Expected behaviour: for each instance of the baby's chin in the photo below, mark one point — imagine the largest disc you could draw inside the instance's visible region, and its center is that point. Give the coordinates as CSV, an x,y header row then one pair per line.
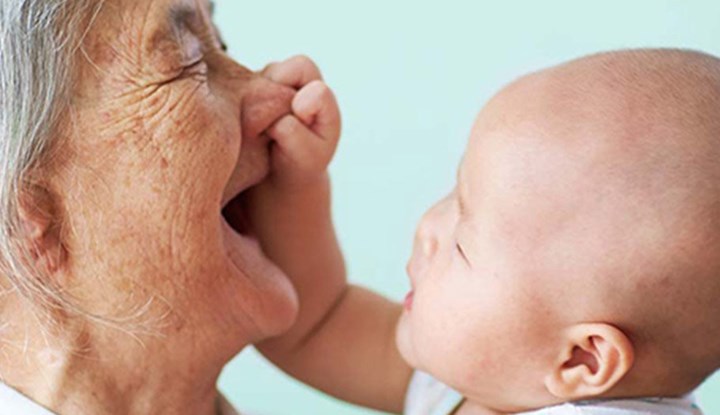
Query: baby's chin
x,y
403,341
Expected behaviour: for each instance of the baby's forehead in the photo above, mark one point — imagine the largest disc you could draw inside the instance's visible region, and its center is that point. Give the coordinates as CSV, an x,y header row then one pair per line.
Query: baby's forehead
x,y
603,133
630,85
613,105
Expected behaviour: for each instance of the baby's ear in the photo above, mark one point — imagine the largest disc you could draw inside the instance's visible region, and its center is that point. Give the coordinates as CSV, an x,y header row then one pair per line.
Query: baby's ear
x,y
593,359
39,232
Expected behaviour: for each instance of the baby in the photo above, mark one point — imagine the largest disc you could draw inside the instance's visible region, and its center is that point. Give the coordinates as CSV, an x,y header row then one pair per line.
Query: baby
x,y
574,269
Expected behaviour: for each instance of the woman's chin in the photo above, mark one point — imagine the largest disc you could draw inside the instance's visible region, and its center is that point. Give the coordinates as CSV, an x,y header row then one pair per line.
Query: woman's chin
x,y
268,295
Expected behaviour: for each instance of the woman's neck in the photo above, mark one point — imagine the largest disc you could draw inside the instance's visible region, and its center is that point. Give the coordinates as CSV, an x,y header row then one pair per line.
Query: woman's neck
x,y
90,369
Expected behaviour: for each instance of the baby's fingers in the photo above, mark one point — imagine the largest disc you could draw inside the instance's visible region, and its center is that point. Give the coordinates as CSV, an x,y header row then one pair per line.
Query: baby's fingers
x,y
317,107
295,72
298,149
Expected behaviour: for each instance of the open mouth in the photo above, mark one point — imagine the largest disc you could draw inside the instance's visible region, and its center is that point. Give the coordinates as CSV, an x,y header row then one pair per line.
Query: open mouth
x,y
236,215
252,168
265,287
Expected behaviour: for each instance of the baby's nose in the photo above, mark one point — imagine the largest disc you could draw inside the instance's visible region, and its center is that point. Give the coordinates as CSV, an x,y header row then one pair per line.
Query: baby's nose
x,y
426,239
424,249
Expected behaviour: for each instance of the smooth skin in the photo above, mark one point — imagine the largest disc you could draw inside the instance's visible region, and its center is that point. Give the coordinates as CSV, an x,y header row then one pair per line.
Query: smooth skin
x,y
543,276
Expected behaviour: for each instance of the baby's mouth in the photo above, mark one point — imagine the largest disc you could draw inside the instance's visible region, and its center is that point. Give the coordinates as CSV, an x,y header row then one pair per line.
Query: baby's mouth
x,y
409,300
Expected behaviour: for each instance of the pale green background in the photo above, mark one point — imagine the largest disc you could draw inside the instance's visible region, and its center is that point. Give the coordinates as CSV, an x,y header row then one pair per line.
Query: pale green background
x,y
410,76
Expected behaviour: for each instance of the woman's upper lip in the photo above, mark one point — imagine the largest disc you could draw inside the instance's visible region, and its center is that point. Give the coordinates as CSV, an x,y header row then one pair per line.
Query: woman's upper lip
x,y
255,171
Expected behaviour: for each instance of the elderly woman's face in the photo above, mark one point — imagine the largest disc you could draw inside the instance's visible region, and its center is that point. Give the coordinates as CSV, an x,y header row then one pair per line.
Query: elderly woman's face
x,y
165,130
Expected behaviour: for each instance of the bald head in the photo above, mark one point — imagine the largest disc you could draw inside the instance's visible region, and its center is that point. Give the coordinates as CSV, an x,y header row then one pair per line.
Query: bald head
x,y
616,161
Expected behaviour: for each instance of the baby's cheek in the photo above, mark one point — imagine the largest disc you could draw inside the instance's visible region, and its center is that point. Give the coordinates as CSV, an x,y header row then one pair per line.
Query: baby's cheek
x,y
415,328
427,327
449,325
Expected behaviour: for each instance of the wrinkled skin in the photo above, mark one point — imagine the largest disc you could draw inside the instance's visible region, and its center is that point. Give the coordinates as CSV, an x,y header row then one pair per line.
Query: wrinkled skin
x,y
168,129
164,130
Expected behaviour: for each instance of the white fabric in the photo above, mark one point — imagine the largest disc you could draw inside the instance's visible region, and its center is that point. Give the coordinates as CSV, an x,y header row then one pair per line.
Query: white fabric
x,y
427,396
650,406
13,402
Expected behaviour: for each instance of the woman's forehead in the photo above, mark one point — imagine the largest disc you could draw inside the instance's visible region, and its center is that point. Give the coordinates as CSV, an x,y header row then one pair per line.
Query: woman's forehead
x,y
147,15
149,35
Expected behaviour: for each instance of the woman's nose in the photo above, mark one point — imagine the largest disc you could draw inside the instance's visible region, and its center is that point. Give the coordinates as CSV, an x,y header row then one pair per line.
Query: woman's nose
x,y
263,104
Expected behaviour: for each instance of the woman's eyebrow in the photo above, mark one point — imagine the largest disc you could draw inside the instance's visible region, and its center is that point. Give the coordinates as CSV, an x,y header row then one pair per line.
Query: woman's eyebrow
x,y
181,16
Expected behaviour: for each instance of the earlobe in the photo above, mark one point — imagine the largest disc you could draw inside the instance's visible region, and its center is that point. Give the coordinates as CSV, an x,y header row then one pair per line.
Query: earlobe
x,y
593,360
38,235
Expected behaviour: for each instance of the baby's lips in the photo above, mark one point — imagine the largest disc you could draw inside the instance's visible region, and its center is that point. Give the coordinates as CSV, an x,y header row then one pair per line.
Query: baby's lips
x,y
409,300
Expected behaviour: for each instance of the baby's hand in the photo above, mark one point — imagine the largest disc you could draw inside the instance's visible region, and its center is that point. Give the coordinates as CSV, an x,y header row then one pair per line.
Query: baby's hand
x,y
305,141
290,211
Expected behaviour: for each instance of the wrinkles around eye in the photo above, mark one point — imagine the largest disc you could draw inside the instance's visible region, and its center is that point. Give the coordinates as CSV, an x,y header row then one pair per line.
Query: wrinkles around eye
x,y
196,70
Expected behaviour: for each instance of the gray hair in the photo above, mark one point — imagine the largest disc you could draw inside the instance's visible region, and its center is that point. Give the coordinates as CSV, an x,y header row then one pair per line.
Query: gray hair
x,y
38,43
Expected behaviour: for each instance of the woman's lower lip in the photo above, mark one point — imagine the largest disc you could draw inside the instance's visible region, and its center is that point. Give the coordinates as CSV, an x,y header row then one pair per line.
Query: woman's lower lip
x,y
409,300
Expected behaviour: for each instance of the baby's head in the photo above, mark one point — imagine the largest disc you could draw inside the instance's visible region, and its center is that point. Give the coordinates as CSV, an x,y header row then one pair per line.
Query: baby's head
x,y
579,255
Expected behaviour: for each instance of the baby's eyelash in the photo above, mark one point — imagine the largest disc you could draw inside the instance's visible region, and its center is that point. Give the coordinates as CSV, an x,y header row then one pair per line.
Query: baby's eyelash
x,y
462,253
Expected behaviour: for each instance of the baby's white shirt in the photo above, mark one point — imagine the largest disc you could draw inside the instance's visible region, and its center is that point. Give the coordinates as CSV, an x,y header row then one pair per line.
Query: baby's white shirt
x,y
427,396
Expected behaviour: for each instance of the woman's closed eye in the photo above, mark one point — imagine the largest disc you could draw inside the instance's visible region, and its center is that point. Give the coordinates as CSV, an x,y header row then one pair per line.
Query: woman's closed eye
x,y
196,68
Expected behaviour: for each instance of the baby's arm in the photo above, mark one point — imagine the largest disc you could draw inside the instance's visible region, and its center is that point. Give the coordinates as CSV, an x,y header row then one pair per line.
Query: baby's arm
x,y
344,339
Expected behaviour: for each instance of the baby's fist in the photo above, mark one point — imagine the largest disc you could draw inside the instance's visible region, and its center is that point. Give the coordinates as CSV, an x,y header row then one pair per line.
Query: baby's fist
x,y
305,140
